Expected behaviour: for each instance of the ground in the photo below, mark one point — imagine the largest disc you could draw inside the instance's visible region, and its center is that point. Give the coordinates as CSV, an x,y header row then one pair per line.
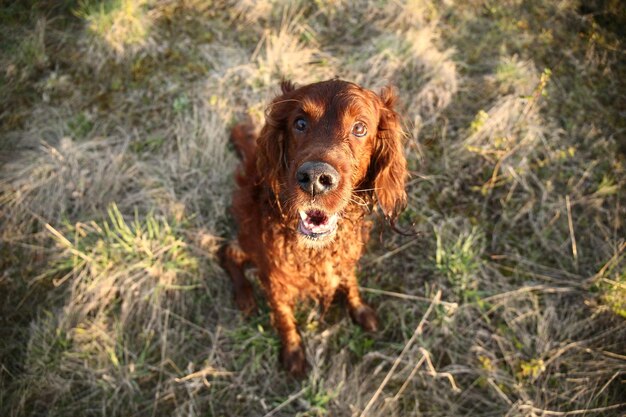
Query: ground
x,y
116,178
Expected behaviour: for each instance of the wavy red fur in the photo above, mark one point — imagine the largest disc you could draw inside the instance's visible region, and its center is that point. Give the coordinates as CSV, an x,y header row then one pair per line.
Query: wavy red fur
x,y
277,216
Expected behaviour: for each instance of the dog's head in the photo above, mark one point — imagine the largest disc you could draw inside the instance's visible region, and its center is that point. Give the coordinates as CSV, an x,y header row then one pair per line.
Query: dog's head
x,y
328,144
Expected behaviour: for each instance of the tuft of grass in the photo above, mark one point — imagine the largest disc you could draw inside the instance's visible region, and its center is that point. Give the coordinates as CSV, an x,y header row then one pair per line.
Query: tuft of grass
x,y
317,397
458,257
199,167
30,54
289,53
120,277
411,60
358,342
120,24
611,280
257,343
151,244
64,181
103,259
81,125
614,294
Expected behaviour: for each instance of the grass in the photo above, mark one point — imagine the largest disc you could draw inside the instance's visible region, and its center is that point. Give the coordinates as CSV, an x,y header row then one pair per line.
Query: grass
x,y
459,258
115,183
118,25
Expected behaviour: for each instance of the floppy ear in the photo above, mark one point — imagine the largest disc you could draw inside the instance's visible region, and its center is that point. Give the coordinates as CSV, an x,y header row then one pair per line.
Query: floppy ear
x,y
271,143
388,165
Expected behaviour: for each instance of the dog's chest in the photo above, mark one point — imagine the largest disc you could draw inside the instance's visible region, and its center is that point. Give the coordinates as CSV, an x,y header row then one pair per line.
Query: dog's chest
x,y
319,272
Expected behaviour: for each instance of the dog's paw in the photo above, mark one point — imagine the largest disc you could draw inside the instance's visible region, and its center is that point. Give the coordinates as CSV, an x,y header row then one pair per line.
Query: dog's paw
x,y
244,299
293,360
365,317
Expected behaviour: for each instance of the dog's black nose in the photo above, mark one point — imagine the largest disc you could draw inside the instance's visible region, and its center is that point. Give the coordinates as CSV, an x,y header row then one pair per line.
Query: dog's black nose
x,y
317,177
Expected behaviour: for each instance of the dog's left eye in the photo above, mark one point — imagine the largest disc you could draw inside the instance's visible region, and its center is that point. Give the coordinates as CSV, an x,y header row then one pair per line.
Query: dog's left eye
x,y
359,129
300,124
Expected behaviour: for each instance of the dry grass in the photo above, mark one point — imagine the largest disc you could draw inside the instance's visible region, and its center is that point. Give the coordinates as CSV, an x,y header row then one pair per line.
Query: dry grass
x,y
116,179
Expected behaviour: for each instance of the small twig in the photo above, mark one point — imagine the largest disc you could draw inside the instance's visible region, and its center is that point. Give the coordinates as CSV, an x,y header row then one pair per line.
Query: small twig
x,y
573,412
614,283
609,264
433,371
570,223
189,323
615,375
391,253
499,391
409,378
525,261
452,306
208,371
289,400
543,277
416,333
66,243
560,351
522,290
613,355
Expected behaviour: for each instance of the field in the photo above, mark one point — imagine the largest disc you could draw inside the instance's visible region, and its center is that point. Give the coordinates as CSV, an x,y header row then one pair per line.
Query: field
x,y
116,179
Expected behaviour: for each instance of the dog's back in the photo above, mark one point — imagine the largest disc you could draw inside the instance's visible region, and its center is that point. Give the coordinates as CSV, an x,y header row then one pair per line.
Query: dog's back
x,y
243,137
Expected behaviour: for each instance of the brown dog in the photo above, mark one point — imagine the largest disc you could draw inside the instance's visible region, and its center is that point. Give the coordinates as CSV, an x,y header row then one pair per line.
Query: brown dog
x,y
327,153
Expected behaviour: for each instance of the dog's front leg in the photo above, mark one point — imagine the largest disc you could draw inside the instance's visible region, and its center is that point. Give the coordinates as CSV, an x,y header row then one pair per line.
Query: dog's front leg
x,y
360,312
233,260
292,355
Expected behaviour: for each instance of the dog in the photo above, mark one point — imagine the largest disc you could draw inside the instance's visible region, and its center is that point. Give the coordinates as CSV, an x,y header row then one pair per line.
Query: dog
x,y
328,154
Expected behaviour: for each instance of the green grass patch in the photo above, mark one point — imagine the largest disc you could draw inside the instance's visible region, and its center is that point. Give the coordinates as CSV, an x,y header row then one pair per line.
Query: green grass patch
x,y
257,343
151,244
458,258
119,23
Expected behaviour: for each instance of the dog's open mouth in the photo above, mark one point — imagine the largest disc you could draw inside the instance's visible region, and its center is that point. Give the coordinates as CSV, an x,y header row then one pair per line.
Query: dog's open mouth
x,y
316,224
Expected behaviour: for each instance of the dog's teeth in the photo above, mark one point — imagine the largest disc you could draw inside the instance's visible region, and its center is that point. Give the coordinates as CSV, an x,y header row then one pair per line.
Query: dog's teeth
x,y
315,223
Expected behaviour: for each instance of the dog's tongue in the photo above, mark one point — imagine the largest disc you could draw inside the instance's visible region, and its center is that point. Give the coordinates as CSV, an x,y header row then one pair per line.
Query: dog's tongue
x,y
317,222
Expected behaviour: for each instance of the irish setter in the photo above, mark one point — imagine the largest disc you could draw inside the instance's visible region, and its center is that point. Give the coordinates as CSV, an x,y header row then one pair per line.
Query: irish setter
x,y
328,153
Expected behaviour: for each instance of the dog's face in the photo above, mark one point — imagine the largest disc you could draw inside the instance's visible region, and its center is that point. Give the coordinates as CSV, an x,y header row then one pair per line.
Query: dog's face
x,y
326,145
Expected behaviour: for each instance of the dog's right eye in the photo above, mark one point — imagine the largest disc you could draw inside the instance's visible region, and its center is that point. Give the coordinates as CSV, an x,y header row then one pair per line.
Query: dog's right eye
x,y
300,124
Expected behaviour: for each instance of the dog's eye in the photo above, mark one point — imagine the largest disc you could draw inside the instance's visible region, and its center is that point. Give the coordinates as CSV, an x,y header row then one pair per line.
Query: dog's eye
x,y
299,124
359,129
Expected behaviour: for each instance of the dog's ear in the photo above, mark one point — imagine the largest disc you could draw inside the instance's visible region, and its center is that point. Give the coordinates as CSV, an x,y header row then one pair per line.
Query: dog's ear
x,y
287,86
388,172
271,143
